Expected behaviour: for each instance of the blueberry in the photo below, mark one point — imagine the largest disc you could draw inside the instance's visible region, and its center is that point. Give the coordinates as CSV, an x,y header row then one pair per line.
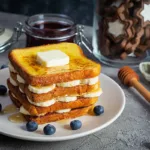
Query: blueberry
x,y
31,126
98,110
0,107
49,129
3,90
3,66
75,124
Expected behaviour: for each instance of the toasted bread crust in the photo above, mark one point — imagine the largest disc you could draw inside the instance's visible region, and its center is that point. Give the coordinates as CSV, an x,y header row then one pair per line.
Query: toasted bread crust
x,y
35,110
14,100
80,67
55,116
57,92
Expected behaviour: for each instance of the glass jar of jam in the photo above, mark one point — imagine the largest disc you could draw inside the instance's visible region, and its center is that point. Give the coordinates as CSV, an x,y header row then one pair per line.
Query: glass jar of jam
x,y
44,29
121,32
49,28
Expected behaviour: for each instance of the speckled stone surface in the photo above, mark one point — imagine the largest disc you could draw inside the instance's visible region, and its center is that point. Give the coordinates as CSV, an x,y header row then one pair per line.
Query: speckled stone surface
x,y
131,131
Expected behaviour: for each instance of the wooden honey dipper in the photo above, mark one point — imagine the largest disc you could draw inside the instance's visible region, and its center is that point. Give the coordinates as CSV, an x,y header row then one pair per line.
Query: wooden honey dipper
x,y
130,78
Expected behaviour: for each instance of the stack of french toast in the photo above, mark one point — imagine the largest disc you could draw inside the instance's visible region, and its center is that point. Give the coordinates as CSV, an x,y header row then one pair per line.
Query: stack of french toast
x,y
53,82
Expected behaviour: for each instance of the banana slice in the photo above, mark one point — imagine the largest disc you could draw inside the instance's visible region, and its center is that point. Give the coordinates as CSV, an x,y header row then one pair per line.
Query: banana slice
x,y
93,94
67,98
40,90
63,111
69,84
43,104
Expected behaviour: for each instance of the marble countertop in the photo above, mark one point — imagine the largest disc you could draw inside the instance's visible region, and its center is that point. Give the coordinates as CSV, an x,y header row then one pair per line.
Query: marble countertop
x,y
131,131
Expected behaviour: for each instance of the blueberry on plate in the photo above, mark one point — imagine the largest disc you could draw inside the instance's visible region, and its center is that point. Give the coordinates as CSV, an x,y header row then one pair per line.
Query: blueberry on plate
x,y
3,90
3,66
31,126
98,110
75,124
0,107
49,129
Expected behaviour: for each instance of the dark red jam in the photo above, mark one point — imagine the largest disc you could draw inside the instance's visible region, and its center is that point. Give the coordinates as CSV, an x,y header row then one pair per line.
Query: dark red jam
x,y
51,25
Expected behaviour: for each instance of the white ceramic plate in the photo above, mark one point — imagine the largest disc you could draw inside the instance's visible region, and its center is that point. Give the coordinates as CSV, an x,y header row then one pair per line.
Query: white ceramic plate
x,y
112,99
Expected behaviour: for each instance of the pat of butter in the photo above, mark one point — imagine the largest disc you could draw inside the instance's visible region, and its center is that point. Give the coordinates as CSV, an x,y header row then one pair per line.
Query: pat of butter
x,y
52,58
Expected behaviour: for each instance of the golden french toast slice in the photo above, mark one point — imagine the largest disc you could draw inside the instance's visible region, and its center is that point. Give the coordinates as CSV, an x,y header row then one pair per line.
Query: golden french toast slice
x,y
56,117
36,110
50,117
79,67
57,91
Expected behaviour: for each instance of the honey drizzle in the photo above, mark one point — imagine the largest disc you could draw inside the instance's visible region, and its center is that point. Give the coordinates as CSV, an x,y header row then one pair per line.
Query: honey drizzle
x,y
17,118
91,111
64,121
9,109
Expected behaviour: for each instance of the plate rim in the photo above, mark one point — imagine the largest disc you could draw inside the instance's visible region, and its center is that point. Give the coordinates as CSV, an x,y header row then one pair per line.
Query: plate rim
x,y
75,136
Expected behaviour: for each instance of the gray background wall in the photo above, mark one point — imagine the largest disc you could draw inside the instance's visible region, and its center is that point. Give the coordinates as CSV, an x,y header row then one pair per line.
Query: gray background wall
x,y
80,10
